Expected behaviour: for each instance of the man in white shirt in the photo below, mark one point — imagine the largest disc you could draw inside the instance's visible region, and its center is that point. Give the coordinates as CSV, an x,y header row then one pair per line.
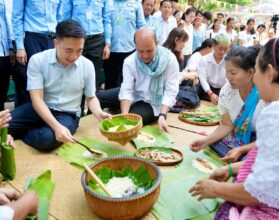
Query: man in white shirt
x,y
150,81
165,22
211,70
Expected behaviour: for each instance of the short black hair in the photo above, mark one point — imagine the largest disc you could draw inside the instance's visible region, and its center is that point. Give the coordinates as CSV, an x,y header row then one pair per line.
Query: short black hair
x,y
162,2
69,28
243,57
261,26
221,14
207,15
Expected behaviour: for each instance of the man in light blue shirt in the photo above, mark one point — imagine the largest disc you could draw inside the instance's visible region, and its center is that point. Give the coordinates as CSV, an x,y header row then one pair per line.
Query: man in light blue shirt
x,y
34,25
6,55
57,79
125,17
91,15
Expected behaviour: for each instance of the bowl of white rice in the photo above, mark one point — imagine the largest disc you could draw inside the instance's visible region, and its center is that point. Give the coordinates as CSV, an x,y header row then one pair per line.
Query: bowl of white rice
x,y
128,200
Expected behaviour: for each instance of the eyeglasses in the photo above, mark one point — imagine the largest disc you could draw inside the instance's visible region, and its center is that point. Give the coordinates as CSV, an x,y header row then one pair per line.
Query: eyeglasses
x,y
274,53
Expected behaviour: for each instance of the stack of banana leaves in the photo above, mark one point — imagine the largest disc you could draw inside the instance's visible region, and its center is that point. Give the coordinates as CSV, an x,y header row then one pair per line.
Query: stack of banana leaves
x,y
208,114
8,166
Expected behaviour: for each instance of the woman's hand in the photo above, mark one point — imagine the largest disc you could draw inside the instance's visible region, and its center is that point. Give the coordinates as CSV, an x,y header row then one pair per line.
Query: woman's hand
x,y
213,98
221,174
204,189
198,145
5,117
233,155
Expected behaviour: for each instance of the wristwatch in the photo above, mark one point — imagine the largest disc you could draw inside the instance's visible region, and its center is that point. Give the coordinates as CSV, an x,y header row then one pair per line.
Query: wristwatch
x,y
163,114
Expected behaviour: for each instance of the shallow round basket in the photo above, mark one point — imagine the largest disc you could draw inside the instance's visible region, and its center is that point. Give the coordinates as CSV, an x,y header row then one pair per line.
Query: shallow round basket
x,y
131,207
197,122
123,137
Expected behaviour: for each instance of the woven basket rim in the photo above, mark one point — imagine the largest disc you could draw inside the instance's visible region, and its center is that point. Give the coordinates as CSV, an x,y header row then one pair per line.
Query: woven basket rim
x,y
139,124
196,122
129,198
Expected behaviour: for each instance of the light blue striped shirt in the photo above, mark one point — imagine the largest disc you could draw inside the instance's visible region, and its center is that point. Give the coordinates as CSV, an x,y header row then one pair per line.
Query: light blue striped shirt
x,y
89,13
125,16
63,87
38,16
5,38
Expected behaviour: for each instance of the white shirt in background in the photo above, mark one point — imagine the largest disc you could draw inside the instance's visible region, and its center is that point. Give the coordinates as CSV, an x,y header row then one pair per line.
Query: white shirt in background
x,y
6,213
136,85
210,73
188,47
193,62
232,36
164,28
231,102
211,34
248,39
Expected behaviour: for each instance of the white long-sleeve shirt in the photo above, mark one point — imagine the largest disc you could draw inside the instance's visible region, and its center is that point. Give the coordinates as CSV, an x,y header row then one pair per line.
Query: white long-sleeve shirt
x,y
211,73
6,213
136,85
164,28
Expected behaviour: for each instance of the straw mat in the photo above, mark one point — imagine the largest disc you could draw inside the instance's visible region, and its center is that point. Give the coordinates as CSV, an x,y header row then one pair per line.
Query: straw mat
x,y
68,201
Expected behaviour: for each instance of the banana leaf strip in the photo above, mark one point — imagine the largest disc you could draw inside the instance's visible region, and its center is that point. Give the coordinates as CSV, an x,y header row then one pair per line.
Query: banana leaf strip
x,y
118,120
161,138
44,187
8,165
175,198
73,153
211,153
141,177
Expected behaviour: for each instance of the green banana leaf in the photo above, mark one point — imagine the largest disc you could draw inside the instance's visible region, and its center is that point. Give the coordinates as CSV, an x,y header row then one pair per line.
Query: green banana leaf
x,y
118,120
8,165
162,139
141,177
175,201
44,187
72,152
211,153
216,118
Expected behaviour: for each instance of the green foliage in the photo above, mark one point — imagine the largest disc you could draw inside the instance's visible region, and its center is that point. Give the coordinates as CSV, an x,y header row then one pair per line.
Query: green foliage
x,y
118,120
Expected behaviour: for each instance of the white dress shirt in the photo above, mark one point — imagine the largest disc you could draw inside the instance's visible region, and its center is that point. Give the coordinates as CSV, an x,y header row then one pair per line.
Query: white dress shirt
x,y
6,213
136,85
211,73
188,47
164,28
193,62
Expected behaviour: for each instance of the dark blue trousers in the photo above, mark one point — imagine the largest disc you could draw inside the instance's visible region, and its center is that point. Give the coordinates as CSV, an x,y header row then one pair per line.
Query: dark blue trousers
x,y
109,99
27,125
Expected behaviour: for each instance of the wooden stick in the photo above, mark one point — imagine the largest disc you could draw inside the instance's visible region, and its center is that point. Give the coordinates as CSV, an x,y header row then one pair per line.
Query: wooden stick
x,y
96,178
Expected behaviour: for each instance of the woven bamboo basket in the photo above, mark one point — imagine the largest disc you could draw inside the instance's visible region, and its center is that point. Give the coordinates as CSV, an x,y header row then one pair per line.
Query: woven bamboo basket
x,y
197,122
132,207
123,137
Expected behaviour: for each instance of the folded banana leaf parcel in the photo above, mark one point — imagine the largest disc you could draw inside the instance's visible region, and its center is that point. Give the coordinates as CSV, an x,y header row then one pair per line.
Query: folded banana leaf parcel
x,y
175,202
207,114
150,136
77,155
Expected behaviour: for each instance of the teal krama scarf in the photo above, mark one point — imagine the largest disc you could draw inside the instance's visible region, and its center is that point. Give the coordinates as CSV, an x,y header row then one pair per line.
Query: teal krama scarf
x,y
156,69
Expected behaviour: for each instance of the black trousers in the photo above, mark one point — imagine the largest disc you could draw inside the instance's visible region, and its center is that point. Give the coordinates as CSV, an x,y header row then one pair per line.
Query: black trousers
x,y
203,95
93,50
109,99
113,69
33,44
5,74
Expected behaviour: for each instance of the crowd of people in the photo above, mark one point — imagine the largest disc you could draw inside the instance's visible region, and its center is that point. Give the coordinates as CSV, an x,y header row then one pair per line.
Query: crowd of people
x,y
55,52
